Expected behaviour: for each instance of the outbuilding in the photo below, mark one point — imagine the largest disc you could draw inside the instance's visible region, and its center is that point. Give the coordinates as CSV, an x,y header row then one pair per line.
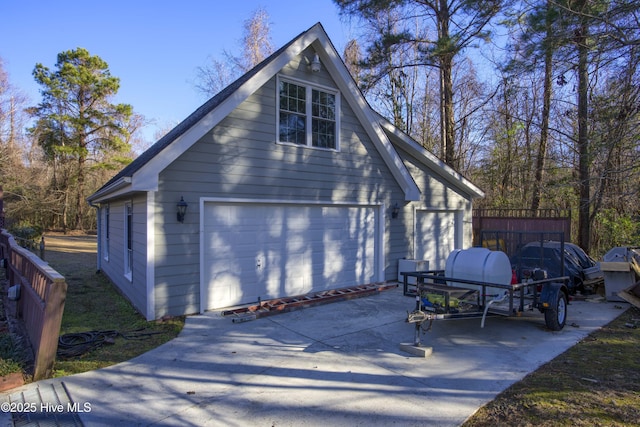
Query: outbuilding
x,y
284,183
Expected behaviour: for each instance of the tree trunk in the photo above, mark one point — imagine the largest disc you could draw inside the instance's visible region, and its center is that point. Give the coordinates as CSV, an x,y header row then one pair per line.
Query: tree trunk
x,y
445,57
507,178
449,121
584,220
544,127
65,210
80,194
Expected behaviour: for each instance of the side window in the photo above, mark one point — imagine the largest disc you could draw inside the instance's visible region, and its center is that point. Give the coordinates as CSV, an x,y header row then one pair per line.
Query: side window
x,y
128,234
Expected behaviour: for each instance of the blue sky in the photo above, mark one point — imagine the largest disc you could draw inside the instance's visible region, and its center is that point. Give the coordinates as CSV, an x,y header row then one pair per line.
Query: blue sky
x,y
154,47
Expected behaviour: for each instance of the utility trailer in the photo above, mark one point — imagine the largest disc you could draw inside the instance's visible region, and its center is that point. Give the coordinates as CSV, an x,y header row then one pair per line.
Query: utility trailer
x,y
438,298
488,281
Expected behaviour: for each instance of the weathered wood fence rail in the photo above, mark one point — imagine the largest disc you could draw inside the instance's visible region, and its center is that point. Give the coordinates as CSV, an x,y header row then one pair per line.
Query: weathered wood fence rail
x,y
551,220
41,304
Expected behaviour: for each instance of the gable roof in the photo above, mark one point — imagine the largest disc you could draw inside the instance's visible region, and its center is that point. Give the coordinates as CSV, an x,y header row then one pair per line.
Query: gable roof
x,y
427,158
124,177
142,174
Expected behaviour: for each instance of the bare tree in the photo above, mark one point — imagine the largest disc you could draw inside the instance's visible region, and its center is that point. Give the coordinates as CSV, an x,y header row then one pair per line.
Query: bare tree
x,y
12,122
352,59
256,46
256,41
456,24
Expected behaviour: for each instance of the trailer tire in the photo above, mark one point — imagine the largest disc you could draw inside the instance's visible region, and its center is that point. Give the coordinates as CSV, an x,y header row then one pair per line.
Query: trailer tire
x,y
556,316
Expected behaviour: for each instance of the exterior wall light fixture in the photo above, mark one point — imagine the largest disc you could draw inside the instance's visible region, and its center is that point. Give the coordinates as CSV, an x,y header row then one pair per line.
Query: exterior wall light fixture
x,y
395,211
314,66
182,209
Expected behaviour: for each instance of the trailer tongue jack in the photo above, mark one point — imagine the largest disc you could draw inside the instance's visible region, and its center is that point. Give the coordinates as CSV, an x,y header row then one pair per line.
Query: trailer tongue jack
x,y
418,318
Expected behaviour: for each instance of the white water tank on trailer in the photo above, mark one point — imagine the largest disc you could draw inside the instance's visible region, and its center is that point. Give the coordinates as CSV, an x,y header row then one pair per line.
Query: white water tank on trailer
x,y
481,265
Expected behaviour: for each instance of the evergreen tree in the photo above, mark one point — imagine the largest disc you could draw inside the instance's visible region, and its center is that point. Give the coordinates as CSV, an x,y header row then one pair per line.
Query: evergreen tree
x,y
76,123
255,46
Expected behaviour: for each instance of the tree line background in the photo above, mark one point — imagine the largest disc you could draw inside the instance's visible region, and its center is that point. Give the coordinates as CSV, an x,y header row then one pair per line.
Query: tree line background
x,y
536,102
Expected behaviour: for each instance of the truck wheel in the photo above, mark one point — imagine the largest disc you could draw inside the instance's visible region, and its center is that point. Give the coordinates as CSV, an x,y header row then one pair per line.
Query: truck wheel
x,y
556,316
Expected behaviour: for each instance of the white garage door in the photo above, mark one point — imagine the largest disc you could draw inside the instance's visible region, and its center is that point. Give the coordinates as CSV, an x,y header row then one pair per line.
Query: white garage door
x,y
267,251
435,236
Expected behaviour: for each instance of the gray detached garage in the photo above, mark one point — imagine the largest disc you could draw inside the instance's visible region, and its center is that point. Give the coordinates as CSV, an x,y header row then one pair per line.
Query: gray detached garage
x,y
292,185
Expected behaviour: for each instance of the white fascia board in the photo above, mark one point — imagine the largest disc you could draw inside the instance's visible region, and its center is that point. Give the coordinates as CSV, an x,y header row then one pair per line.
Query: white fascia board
x,y
151,255
431,161
119,187
368,118
146,179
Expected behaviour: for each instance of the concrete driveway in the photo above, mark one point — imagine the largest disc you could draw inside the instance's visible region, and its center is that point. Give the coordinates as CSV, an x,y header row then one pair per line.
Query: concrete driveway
x,y
338,364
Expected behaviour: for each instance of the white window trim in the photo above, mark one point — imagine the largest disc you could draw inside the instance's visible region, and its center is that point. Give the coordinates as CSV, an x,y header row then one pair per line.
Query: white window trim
x,y
308,117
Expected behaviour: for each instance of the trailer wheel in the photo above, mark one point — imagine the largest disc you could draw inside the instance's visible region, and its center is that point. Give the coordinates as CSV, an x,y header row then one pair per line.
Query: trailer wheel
x,y
556,316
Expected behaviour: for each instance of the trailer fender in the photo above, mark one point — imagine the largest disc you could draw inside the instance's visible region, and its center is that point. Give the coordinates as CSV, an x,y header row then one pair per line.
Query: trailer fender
x,y
549,293
554,306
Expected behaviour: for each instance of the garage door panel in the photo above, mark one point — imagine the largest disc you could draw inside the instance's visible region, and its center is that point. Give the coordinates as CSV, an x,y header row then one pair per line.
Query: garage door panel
x,y
271,251
435,236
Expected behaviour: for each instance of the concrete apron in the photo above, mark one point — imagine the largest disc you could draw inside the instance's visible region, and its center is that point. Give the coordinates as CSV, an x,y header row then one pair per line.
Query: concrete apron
x,y
338,364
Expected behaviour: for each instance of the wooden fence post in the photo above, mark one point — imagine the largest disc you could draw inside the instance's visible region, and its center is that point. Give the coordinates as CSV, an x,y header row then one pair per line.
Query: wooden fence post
x,y
45,354
41,303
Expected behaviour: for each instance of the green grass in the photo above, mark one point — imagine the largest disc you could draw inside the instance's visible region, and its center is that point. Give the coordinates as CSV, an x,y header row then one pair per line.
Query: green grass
x,y
93,304
11,355
594,383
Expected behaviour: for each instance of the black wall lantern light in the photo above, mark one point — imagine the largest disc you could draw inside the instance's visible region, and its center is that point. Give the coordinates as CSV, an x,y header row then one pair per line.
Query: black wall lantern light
x,y
395,211
182,209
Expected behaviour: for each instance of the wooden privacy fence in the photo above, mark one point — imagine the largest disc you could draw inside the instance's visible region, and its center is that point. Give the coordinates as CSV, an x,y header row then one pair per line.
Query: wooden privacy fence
x,y
521,220
41,304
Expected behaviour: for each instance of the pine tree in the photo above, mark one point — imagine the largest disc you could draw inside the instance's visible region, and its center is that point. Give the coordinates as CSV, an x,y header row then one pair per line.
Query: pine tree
x,y
76,123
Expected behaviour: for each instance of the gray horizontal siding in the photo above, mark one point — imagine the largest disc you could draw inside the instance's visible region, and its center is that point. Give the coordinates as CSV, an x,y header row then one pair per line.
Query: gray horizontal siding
x,y
238,161
436,195
135,290
240,158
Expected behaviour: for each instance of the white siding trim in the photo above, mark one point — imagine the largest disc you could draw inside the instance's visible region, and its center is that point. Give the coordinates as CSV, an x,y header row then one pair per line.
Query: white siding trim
x,y
105,233
99,237
128,230
380,243
151,254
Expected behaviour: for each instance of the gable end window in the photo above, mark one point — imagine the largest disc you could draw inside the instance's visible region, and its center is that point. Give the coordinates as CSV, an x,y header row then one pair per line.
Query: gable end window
x,y
307,115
